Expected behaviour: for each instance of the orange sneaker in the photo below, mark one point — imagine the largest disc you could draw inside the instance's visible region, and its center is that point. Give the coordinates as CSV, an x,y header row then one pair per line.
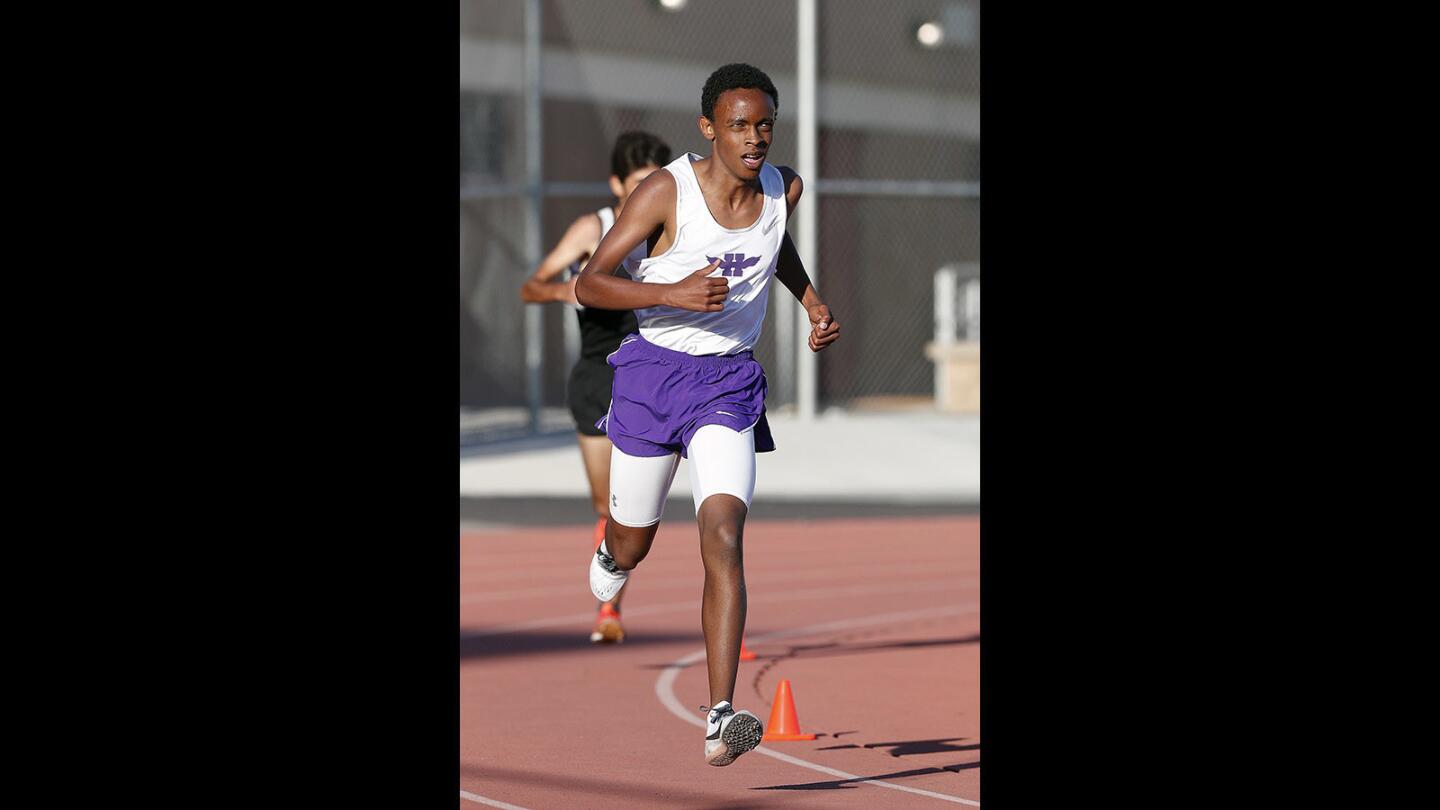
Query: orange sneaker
x,y
599,532
607,626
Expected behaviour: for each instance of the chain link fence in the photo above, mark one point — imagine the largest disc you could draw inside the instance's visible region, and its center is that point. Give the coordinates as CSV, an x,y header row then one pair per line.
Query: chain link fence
x,y
898,185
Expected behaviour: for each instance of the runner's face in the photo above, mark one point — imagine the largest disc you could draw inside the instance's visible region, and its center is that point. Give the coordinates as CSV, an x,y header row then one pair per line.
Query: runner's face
x,y
741,130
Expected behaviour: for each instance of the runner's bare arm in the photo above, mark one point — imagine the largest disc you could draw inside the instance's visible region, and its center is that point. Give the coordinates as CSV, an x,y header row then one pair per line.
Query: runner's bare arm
x,y
648,208
578,242
790,271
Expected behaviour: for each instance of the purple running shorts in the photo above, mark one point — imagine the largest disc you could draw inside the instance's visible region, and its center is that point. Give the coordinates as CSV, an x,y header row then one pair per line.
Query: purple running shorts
x,y
661,397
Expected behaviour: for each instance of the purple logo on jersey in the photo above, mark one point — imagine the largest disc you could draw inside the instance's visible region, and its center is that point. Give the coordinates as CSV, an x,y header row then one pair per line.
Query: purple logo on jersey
x,y
735,263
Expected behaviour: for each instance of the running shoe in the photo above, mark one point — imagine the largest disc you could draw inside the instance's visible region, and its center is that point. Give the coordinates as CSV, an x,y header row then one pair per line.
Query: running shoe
x,y
607,626
606,578
729,733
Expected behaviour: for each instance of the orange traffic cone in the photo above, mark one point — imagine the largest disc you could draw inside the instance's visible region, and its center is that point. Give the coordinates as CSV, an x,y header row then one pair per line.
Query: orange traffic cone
x,y
745,654
784,725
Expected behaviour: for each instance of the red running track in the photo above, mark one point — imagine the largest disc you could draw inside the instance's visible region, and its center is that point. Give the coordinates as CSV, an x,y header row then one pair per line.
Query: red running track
x,y
882,652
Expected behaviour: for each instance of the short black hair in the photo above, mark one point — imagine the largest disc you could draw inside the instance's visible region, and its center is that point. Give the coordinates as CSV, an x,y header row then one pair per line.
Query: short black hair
x,y
735,76
636,150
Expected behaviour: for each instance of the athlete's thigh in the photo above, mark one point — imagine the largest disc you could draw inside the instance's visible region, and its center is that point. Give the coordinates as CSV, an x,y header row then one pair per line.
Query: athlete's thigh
x,y
639,486
595,453
722,461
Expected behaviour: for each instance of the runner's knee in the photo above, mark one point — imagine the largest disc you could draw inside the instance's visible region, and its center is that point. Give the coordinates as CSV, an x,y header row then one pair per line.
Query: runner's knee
x,y
629,545
722,529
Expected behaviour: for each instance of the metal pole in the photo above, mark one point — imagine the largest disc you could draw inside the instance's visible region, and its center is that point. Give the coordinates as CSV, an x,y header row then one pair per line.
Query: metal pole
x,y
807,153
534,144
572,338
972,309
945,314
945,327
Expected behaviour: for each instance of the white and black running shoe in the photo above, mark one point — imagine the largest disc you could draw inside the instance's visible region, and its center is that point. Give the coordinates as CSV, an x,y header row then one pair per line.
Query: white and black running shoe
x,y
606,578
729,733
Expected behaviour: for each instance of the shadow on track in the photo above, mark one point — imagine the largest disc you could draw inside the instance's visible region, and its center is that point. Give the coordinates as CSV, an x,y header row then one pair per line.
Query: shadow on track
x,y
567,640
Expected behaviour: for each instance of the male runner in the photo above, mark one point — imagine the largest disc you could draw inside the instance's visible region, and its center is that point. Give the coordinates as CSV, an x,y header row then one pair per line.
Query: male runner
x,y
634,156
687,383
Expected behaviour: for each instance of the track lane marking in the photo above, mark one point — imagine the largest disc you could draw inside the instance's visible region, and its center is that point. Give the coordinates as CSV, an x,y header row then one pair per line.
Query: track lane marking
x,y
694,604
689,580
478,799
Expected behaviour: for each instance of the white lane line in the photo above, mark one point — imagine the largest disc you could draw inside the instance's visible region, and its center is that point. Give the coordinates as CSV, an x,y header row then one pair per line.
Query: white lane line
x,y
667,583
665,689
483,532
481,526
467,795
694,604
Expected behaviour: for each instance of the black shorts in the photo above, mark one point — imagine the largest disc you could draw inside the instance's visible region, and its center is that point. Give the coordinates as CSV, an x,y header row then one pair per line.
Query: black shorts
x,y
588,394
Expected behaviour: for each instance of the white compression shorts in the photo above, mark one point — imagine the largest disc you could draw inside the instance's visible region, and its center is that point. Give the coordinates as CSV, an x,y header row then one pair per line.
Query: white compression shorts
x,y
722,461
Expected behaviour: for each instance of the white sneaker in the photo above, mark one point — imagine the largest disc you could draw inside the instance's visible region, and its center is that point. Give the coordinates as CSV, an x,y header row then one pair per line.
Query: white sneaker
x,y
606,579
729,733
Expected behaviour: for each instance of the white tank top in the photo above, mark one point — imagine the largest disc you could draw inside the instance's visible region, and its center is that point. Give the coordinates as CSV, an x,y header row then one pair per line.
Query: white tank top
x,y
631,261
607,221
747,259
